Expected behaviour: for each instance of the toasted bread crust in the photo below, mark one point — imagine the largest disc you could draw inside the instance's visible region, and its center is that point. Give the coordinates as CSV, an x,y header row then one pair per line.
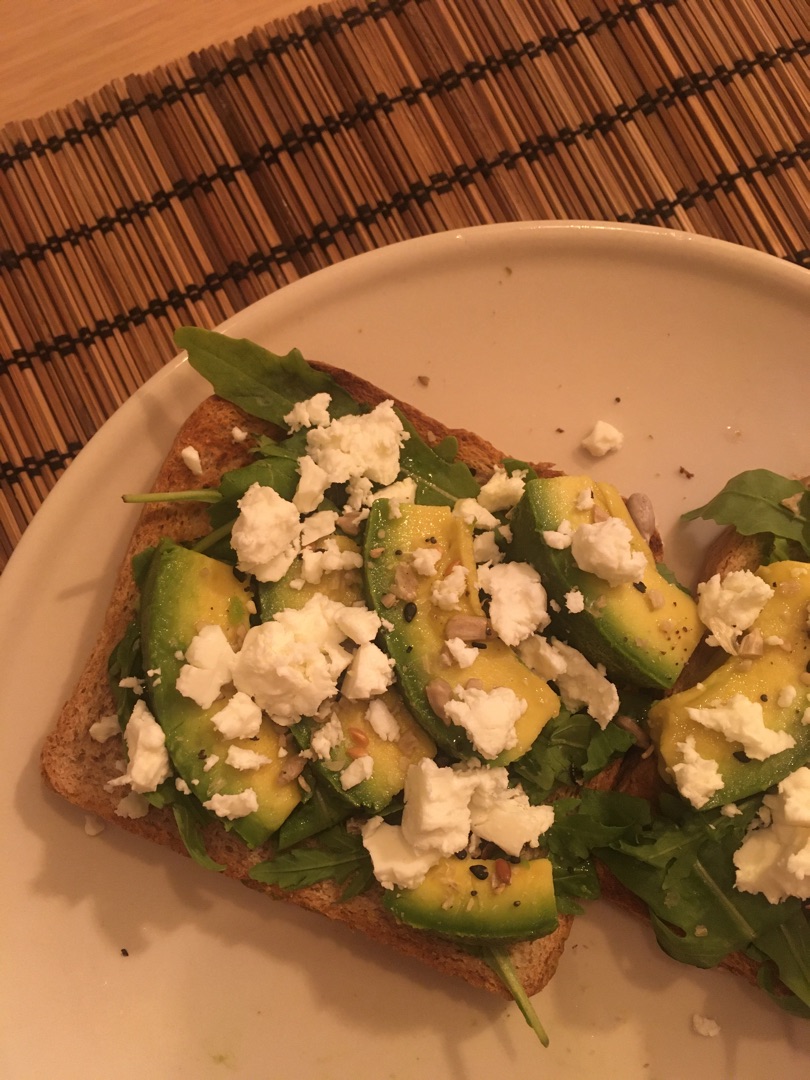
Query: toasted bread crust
x,y
77,767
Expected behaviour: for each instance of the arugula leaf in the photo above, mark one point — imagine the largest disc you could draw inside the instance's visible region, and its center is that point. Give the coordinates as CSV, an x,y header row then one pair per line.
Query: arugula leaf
x,y
336,856
322,810
439,481
260,382
498,958
125,662
787,948
190,818
280,473
516,465
753,503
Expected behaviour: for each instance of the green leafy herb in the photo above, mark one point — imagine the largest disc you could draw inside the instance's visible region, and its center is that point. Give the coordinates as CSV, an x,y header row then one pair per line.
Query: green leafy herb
x,y
498,958
754,502
125,662
321,811
439,481
190,818
279,473
259,381
785,950
516,465
336,856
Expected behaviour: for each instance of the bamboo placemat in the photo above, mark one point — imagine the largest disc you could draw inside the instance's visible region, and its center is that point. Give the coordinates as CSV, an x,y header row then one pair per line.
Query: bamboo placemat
x,y
183,195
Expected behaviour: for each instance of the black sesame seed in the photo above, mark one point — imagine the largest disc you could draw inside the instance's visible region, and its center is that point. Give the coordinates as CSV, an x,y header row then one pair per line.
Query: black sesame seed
x,y
478,644
409,648
763,697
398,552
125,952
741,755
473,892
515,903
409,611
640,586
479,871
461,854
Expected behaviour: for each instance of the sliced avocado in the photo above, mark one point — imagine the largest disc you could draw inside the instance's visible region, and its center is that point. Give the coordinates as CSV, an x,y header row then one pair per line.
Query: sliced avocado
x,y
416,638
472,898
643,632
760,679
391,758
183,592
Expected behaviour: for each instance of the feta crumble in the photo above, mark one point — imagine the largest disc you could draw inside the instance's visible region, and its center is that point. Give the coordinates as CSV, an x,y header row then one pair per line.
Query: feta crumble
x,y
518,603
149,762
559,538
356,772
488,717
191,460
266,535
233,806
105,728
698,778
605,548
775,858
502,491
239,758
448,591
602,439
239,718
704,1025
730,605
741,720
473,513
314,412
382,721
583,684
209,666
460,653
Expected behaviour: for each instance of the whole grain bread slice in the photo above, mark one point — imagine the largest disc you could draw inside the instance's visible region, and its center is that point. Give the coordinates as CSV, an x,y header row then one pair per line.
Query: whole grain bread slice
x,y
77,767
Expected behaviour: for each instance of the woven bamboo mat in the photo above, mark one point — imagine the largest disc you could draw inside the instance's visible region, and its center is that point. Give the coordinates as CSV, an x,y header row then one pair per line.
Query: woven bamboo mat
x,y
185,194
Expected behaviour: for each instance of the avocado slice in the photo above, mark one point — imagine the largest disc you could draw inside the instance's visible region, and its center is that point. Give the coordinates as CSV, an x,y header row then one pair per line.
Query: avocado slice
x,y
485,899
391,758
643,632
184,591
761,679
416,638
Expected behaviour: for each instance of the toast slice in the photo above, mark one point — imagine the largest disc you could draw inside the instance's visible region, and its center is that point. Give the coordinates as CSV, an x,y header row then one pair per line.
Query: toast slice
x,y
77,767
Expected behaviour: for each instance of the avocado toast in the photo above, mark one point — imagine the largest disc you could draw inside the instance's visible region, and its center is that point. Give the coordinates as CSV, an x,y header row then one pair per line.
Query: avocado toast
x,y
457,917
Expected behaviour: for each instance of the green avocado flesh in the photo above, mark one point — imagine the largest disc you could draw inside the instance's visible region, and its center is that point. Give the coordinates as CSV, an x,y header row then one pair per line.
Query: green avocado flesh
x,y
392,758
643,633
758,678
416,640
183,592
453,900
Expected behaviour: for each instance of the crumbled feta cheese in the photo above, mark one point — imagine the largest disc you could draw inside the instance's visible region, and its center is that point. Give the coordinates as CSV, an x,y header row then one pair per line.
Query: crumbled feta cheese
x,y
605,548
371,672
209,666
394,860
541,656
775,859
559,538
448,591
132,806
239,718
741,720
181,786
317,526
584,499
191,460
146,749
730,810
266,535
326,738
488,717
359,623
312,484
503,815
518,604
290,665
704,1025
473,513
602,438
210,762
402,492
132,683
356,772
365,445
425,559
485,548
238,435
105,728
460,653
233,806
730,605
314,412
437,807
583,684
316,563
382,721
93,825
698,778
786,697
240,758
359,492
575,601
502,491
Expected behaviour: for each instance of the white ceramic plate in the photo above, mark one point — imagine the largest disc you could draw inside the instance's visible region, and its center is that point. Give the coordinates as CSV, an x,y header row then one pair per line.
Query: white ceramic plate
x,y
697,350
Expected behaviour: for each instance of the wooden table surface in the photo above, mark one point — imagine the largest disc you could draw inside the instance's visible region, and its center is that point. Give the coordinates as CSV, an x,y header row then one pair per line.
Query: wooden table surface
x,y
54,51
